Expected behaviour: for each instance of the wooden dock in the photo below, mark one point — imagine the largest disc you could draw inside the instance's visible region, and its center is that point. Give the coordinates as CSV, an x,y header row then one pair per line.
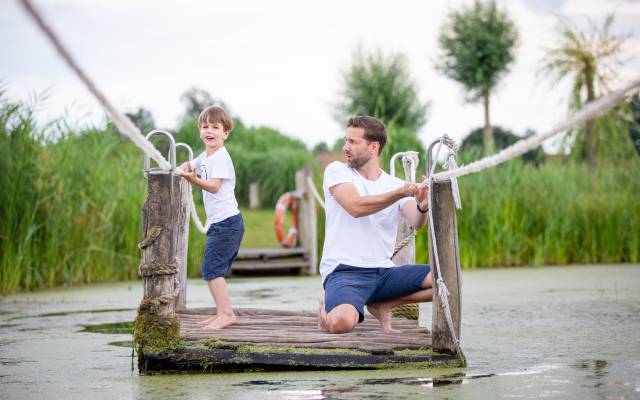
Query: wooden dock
x,y
271,260
285,340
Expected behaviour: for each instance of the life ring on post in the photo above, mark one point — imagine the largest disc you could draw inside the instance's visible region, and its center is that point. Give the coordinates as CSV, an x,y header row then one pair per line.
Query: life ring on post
x,y
288,201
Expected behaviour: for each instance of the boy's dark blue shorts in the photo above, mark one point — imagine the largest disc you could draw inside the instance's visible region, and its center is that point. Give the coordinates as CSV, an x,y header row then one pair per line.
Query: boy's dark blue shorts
x,y
359,286
223,242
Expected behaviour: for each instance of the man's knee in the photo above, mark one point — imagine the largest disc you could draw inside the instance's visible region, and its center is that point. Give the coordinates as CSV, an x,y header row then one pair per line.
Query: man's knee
x,y
342,319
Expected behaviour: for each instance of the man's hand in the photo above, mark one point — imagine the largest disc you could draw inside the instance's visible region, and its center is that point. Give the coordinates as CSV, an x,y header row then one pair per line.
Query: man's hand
x,y
408,189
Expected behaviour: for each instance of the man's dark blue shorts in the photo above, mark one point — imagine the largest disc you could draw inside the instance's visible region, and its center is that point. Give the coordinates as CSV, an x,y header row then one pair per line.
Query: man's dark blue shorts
x,y
223,242
359,286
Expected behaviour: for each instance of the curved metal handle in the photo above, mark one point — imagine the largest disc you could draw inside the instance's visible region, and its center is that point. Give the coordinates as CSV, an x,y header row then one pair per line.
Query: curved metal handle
x,y
430,156
392,163
186,146
172,148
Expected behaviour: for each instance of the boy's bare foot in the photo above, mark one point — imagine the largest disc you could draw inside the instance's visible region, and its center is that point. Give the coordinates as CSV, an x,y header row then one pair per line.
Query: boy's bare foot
x,y
382,314
322,316
222,321
208,320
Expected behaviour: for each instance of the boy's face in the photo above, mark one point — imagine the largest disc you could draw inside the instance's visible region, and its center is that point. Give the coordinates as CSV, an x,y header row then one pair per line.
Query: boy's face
x,y
213,135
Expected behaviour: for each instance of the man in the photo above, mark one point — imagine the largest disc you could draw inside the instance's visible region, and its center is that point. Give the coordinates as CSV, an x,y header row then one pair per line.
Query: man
x,y
363,205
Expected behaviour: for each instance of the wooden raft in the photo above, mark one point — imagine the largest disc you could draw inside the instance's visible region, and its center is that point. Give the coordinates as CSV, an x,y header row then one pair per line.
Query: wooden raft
x,y
286,340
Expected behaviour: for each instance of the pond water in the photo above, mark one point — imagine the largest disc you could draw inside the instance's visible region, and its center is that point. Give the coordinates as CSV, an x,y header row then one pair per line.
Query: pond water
x,y
528,333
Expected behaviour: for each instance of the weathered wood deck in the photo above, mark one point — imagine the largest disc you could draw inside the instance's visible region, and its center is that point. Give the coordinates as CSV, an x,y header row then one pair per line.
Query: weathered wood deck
x,y
284,340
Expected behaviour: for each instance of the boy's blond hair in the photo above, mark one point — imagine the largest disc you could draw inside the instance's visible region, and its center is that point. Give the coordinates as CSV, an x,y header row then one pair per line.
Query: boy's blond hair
x,y
213,114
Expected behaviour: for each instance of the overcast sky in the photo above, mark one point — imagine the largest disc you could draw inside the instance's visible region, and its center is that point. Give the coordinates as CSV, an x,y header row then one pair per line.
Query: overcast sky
x,y
278,63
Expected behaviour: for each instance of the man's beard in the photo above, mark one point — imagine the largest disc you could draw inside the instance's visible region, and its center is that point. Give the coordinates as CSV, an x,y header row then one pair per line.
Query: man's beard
x,y
357,162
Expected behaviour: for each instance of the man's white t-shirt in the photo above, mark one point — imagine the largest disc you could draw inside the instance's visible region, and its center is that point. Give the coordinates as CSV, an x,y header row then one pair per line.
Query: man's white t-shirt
x,y
366,242
223,204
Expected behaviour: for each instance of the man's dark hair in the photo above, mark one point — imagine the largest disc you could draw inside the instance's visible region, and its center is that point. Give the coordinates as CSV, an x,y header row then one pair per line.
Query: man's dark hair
x,y
374,129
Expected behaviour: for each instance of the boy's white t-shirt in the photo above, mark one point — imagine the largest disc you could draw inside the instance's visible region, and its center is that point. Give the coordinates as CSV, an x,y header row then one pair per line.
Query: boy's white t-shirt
x,y
223,204
366,242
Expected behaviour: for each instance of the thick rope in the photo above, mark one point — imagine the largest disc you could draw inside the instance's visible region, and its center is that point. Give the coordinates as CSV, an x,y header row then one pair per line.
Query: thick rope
x,y
194,213
441,287
590,111
124,124
314,191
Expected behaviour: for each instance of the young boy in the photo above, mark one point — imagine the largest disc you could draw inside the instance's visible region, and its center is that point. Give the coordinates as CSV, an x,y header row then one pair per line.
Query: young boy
x,y
226,227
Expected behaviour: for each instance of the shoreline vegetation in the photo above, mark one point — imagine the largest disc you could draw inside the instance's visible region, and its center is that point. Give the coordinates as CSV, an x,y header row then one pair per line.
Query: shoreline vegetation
x,y
70,207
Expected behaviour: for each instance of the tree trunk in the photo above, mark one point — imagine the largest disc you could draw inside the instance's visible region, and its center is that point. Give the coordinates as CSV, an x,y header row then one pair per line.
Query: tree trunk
x,y
592,153
487,133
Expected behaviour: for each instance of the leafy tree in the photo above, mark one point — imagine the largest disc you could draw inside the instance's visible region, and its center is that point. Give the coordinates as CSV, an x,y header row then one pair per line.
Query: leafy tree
x,y
478,45
195,100
143,119
590,60
380,85
321,147
472,144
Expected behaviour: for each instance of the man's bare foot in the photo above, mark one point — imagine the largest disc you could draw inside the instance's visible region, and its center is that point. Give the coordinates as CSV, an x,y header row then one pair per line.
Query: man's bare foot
x,y
382,314
222,321
208,320
322,316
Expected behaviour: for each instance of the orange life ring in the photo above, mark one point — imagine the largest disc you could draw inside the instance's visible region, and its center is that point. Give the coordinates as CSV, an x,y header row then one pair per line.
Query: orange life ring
x,y
287,201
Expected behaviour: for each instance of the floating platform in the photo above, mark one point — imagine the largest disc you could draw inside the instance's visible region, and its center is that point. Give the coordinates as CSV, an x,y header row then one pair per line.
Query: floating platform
x,y
271,261
283,340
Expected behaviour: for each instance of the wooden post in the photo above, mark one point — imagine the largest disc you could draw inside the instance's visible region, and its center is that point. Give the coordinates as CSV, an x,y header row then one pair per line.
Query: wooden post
x,y
254,195
183,203
156,325
445,228
406,254
308,219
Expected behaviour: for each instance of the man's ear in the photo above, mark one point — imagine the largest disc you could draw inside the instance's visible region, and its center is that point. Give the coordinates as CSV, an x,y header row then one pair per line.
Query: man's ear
x,y
375,147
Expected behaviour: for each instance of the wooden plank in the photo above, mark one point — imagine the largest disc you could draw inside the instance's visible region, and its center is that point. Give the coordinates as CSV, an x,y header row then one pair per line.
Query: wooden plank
x,y
269,265
208,360
446,233
266,253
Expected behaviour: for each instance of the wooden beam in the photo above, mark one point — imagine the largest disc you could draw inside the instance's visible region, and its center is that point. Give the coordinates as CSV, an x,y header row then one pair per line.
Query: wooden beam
x,y
445,228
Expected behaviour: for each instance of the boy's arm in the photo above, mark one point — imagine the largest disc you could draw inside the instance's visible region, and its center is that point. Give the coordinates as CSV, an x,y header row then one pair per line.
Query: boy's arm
x,y
210,185
347,195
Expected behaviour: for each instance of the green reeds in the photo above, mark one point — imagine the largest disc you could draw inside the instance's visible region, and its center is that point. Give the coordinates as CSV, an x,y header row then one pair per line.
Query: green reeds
x,y
70,208
557,213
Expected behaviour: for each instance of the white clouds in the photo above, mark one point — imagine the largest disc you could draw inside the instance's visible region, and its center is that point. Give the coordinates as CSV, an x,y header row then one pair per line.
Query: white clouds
x,y
275,63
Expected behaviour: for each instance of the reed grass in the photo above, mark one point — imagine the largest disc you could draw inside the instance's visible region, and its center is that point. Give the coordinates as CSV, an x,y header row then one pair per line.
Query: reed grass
x,y
70,208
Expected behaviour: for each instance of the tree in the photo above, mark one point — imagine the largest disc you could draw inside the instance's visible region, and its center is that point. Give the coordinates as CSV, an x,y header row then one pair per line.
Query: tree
x,y
380,85
589,59
195,100
473,143
143,119
478,45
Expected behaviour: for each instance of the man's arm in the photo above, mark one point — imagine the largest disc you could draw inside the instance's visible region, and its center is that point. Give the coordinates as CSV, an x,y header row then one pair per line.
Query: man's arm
x,y
347,195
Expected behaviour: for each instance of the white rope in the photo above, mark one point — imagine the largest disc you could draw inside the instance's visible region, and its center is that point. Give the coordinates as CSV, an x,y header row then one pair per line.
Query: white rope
x,y
590,111
314,191
194,214
124,124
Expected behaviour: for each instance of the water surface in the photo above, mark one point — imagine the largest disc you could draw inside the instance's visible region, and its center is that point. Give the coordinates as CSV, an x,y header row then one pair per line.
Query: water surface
x,y
528,333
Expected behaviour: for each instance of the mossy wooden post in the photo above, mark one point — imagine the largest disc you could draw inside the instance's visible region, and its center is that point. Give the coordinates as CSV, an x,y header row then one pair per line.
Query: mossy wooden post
x,y
445,228
182,239
157,326
307,218
183,205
